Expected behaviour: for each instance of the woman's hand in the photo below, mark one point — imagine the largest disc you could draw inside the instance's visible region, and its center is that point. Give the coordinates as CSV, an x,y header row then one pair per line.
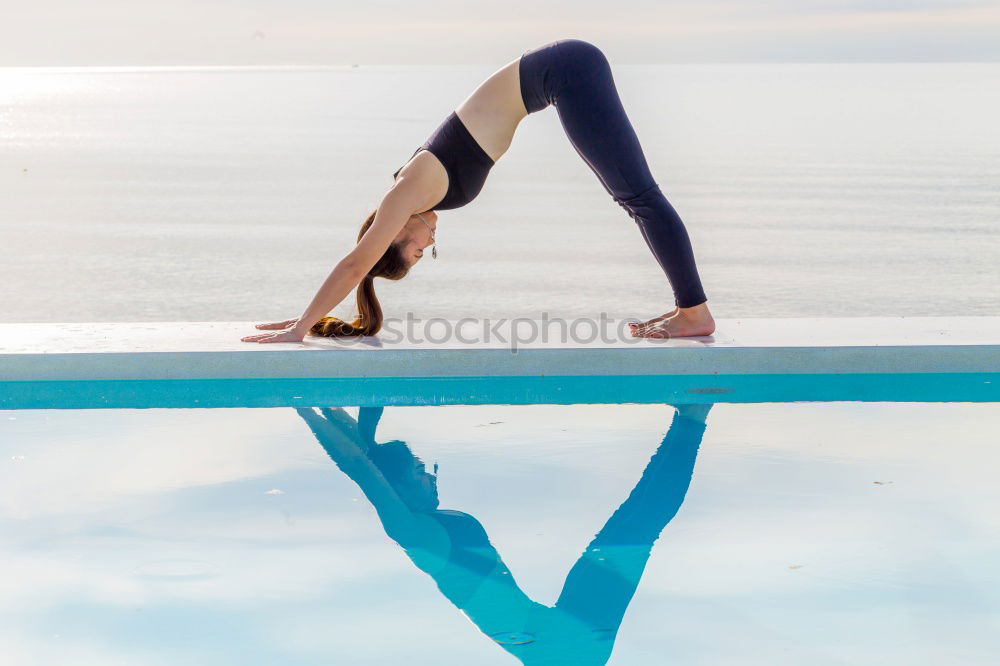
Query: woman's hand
x,y
291,335
288,323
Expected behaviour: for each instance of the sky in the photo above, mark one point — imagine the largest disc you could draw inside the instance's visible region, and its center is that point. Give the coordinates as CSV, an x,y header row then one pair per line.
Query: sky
x,y
337,32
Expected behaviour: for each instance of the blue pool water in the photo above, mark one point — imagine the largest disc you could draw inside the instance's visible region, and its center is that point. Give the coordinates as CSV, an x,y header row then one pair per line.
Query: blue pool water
x,y
419,391
730,533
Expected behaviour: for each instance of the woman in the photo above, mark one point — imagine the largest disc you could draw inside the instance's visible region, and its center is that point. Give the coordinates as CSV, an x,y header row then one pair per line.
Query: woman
x,y
449,170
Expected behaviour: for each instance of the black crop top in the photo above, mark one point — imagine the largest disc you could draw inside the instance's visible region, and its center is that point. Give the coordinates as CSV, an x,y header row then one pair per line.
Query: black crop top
x,y
464,160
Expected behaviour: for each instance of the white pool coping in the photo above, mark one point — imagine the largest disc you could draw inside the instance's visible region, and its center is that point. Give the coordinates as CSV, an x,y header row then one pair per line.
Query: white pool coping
x,y
754,346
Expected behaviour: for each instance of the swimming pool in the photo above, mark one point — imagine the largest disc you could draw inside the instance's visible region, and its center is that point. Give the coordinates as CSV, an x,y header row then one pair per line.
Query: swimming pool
x,y
796,532
789,494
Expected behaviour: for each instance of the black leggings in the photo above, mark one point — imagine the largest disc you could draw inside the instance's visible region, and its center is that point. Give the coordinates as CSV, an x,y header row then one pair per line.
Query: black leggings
x,y
575,77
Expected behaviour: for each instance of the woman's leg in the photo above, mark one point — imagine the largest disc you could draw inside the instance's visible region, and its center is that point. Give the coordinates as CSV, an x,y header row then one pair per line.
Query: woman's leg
x,y
575,77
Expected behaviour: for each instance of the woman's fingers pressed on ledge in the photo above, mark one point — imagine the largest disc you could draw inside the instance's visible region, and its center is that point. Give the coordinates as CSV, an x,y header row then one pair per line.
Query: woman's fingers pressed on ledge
x,y
253,338
283,336
277,325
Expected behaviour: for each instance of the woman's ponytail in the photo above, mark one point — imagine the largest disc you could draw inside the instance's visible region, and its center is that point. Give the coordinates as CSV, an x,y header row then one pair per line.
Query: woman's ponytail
x,y
391,266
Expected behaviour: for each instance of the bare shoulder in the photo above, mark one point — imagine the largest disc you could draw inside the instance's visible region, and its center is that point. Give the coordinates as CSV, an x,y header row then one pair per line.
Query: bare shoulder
x,y
422,180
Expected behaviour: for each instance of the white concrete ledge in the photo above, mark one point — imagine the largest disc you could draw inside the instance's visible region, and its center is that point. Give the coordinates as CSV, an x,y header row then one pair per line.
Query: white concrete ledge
x,y
213,350
199,364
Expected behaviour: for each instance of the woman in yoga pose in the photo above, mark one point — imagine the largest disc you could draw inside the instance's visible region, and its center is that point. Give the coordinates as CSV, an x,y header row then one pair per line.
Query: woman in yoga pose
x,y
449,170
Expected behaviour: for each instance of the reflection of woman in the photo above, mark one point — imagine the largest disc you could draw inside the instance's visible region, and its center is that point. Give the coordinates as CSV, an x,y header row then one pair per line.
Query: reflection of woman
x,y
449,170
454,549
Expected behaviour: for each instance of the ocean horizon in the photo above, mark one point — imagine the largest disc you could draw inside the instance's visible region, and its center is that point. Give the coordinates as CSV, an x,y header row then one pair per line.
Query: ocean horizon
x,y
229,193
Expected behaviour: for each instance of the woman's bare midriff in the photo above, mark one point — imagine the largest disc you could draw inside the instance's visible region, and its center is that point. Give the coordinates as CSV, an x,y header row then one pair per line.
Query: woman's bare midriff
x,y
493,111
491,114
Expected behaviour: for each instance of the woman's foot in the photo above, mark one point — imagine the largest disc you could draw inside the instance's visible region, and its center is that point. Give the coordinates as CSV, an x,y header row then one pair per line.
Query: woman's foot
x,y
652,321
684,322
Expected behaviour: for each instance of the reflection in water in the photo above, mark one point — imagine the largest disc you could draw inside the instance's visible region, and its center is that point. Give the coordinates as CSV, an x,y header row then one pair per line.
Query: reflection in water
x,y
455,550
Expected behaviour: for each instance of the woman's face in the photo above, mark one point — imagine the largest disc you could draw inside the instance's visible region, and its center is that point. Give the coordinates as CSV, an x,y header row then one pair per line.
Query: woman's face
x,y
415,236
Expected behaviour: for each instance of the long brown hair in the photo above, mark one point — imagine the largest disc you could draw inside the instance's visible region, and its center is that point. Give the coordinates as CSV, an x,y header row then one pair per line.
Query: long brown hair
x,y
391,266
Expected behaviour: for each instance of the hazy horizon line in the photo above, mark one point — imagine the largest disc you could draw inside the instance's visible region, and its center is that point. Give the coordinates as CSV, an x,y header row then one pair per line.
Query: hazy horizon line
x,y
485,64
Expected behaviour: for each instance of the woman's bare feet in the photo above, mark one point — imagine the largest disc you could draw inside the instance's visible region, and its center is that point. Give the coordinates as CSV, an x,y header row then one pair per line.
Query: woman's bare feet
x,y
652,321
685,322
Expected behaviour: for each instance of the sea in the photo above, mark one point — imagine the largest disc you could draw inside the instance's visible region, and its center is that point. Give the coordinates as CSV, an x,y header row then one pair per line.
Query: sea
x,y
229,194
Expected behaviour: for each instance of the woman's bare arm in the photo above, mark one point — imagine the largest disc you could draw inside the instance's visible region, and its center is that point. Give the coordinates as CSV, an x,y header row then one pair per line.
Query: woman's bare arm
x,y
404,199
407,196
